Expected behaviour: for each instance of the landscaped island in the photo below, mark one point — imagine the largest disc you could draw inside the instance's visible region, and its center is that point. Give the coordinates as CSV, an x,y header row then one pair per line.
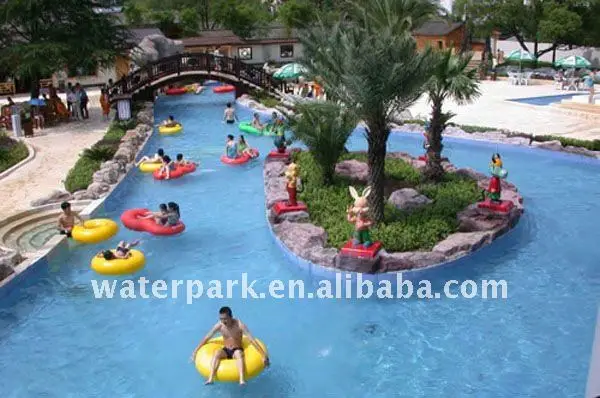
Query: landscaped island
x,y
425,224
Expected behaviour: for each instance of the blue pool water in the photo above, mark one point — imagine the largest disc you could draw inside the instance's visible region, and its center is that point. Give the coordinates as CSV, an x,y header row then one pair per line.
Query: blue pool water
x,y
56,340
546,100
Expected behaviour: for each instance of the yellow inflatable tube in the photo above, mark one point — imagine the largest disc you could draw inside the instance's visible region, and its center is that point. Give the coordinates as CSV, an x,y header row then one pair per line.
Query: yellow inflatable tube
x,y
119,266
94,231
227,371
149,167
170,130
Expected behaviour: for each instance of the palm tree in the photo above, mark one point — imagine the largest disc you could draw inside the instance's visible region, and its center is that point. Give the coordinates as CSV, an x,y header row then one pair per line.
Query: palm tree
x,y
324,127
369,62
450,80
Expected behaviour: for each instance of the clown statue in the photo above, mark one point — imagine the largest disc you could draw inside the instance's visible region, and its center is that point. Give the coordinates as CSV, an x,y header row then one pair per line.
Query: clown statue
x,y
494,189
291,176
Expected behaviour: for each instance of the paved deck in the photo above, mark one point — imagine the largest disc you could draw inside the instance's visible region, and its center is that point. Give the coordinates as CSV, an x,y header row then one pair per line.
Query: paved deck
x,y
492,110
593,387
57,150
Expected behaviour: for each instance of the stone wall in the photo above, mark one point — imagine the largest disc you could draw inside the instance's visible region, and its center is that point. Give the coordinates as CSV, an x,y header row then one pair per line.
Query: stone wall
x,y
477,227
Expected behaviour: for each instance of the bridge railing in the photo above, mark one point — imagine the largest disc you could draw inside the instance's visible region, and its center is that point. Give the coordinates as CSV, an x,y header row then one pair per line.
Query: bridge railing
x,y
191,62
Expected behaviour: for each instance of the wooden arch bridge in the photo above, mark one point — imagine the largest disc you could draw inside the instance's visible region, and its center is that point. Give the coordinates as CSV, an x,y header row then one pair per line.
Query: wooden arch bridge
x,y
203,65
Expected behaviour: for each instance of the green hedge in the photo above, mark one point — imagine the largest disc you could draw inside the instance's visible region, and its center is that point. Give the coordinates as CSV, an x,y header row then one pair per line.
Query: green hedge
x,y
11,152
400,231
80,176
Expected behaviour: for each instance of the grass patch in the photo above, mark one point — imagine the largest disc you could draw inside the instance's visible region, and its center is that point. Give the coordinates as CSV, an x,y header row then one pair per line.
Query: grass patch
x,y
80,176
265,98
11,152
400,231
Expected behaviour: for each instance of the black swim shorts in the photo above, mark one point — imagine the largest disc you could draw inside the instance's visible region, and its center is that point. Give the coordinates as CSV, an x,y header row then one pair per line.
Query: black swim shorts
x,y
65,232
230,351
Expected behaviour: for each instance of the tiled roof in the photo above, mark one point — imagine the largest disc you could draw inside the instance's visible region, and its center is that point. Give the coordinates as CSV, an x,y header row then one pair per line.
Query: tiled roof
x,y
227,37
437,28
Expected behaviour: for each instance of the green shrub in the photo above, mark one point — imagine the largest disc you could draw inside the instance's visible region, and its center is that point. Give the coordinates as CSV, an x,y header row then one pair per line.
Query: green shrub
x,y
401,231
100,153
476,129
11,152
80,176
117,130
264,98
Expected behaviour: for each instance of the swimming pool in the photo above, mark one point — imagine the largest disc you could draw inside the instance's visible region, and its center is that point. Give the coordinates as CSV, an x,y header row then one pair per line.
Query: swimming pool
x,y
545,100
56,340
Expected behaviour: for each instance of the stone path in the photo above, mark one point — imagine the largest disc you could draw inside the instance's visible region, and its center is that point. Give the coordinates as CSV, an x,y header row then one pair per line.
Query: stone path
x,y
57,151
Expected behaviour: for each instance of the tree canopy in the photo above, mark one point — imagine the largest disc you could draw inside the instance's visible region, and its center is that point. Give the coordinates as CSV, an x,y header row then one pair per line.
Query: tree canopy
x,y
40,37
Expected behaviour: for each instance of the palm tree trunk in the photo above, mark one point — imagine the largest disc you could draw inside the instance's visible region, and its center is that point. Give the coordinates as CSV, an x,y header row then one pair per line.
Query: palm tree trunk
x,y
377,135
434,170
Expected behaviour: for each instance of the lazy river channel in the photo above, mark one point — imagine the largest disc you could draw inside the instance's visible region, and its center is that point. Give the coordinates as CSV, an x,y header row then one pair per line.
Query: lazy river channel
x,y
56,340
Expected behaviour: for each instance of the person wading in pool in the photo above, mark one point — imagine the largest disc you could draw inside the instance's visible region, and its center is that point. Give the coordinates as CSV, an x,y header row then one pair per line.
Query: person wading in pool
x,y
67,220
229,115
232,331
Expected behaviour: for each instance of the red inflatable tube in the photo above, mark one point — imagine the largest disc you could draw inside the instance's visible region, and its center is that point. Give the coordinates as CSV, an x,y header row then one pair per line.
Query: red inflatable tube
x,y
223,89
178,172
176,91
240,159
132,219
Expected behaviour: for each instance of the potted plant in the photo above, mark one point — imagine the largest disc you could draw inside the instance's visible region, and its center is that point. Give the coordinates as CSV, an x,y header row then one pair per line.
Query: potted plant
x,y
27,119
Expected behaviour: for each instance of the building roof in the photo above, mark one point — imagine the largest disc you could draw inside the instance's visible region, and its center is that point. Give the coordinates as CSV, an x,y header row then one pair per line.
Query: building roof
x,y
437,28
224,37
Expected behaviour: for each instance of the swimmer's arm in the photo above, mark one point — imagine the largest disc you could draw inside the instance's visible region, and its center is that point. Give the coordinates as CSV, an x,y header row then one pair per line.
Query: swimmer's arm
x,y
60,223
209,336
77,218
253,340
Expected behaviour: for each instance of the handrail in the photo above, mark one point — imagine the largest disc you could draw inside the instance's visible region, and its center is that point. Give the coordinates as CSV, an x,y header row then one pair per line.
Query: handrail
x,y
190,62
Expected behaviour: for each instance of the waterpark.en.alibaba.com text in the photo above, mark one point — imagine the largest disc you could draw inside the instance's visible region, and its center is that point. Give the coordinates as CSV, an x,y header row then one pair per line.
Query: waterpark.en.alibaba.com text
x,y
343,287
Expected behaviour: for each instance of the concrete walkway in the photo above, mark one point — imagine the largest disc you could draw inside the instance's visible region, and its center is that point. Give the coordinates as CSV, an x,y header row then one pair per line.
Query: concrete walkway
x,y
57,151
492,110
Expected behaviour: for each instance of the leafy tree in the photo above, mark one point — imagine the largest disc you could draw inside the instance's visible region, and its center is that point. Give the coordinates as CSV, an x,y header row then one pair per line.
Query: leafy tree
x,y
190,21
40,37
372,66
324,127
242,17
556,21
135,14
451,80
297,13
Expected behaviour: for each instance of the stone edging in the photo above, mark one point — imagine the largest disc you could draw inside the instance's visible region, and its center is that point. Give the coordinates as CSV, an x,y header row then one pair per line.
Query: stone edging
x,y
501,136
479,227
29,158
57,243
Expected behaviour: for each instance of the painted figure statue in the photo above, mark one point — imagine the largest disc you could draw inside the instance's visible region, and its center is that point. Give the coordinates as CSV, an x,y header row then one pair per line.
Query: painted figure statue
x,y
494,189
358,215
291,176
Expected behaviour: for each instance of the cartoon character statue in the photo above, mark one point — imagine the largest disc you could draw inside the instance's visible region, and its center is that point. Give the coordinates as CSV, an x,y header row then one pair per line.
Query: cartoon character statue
x,y
291,176
494,189
358,215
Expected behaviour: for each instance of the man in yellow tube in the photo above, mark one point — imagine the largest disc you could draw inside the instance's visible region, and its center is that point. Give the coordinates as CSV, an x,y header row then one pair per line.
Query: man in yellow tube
x,y
232,331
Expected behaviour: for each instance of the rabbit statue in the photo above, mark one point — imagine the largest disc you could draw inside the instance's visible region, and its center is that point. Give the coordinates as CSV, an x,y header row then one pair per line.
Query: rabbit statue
x,y
358,215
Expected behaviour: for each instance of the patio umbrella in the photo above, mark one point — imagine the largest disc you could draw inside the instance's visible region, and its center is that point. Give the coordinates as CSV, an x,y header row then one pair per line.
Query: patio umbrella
x,y
289,71
520,55
573,61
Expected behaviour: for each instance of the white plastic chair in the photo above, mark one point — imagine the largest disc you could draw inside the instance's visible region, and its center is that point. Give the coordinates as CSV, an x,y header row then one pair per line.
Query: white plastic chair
x,y
525,77
513,78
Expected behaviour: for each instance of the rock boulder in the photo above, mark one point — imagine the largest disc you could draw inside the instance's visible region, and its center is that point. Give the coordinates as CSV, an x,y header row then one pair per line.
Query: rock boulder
x,y
408,260
154,47
353,169
462,242
55,197
306,241
408,199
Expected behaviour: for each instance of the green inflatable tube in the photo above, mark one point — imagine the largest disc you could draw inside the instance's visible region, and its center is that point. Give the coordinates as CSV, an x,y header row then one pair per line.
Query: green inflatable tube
x,y
247,127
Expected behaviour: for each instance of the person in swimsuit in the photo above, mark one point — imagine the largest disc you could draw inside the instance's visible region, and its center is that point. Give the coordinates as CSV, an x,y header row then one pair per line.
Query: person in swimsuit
x,y
157,158
67,220
244,148
122,251
182,162
173,214
231,149
159,216
170,122
167,167
232,331
256,122
229,115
